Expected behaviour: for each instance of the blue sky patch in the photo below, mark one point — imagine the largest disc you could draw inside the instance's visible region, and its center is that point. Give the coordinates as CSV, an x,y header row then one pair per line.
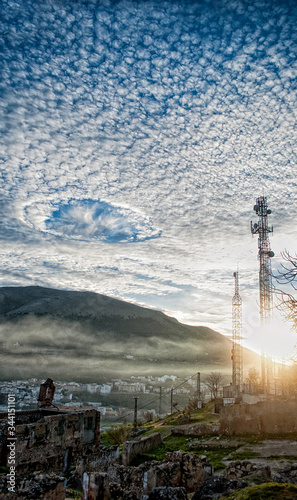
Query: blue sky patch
x,y
97,220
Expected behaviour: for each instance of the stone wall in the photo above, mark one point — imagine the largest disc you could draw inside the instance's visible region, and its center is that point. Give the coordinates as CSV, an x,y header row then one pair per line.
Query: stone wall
x,y
36,486
51,438
265,417
179,469
102,460
133,448
196,430
240,469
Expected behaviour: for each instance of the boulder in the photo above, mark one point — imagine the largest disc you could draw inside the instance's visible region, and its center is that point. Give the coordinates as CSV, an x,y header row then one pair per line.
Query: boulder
x,y
216,487
286,475
117,493
162,493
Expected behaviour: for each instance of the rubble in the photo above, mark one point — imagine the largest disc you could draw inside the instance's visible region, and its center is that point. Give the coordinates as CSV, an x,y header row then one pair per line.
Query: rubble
x,y
216,487
286,475
37,486
178,470
196,430
244,468
168,494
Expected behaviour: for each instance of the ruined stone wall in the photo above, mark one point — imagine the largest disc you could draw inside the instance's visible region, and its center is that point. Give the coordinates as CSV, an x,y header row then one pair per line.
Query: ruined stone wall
x,y
265,417
23,417
196,430
100,461
178,470
54,440
133,448
35,486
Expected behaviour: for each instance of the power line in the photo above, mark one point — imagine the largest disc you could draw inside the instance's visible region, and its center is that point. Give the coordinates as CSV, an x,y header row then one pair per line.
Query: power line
x,y
130,412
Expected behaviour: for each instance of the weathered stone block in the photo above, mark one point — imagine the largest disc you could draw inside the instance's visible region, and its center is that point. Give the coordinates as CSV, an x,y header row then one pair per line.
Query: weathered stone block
x,y
162,493
196,430
133,448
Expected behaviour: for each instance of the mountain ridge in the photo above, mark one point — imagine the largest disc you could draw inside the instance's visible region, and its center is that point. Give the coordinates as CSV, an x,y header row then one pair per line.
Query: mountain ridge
x,y
90,335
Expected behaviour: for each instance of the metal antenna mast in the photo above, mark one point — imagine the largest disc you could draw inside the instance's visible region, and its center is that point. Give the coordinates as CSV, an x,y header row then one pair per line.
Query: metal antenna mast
x,y
237,369
262,229
265,290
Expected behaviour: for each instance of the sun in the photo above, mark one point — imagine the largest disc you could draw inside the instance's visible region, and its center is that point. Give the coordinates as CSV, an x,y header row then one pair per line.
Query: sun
x,y
275,339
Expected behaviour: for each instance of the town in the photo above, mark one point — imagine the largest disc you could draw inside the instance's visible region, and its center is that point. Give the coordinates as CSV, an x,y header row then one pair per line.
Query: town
x,y
113,398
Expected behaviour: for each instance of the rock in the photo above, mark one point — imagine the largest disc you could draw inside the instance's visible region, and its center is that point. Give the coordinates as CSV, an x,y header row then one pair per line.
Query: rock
x,y
117,493
162,493
216,487
286,475
46,394
239,469
196,430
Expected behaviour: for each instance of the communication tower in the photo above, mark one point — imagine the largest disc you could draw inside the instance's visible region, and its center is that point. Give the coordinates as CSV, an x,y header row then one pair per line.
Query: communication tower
x,y
265,289
237,370
262,229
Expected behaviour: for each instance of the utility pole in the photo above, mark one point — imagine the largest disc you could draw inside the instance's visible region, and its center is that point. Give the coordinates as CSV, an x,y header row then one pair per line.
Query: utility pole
x,y
199,402
171,401
160,401
265,290
135,414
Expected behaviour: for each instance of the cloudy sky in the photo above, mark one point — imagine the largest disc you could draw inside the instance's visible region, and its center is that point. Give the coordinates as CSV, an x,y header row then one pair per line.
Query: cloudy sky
x,y
136,136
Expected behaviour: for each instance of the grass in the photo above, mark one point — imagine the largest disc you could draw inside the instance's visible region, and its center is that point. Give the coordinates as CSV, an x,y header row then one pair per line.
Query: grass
x,y
75,494
203,415
245,454
265,491
4,470
173,443
216,456
290,458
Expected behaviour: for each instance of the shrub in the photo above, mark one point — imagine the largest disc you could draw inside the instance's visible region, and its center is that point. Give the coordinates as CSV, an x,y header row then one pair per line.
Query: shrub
x,y
118,435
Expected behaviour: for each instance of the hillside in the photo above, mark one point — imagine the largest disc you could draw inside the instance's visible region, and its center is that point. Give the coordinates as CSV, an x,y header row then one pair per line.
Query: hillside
x,y
88,336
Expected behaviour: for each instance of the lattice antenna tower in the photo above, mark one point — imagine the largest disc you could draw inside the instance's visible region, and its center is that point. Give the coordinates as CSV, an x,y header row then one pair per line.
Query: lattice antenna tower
x,y
237,366
262,229
265,289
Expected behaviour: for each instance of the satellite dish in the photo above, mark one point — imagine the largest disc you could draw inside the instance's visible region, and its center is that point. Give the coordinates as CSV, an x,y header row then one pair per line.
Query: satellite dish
x,y
255,225
270,253
268,211
256,208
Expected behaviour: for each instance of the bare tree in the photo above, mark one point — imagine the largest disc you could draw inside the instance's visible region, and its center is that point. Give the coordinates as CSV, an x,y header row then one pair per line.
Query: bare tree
x,y
286,301
214,382
253,376
253,380
192,405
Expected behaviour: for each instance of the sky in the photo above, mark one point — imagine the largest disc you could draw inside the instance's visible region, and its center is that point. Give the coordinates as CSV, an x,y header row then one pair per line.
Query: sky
x,y
135,139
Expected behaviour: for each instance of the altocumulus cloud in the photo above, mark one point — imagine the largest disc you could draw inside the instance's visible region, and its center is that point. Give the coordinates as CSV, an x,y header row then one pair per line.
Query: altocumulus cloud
x,y
142,132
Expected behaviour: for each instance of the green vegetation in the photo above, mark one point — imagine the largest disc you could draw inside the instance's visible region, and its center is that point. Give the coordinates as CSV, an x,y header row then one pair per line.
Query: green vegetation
x,y
116,435
214,454
265,491
172,443
71,493
245,454
203,415
289,458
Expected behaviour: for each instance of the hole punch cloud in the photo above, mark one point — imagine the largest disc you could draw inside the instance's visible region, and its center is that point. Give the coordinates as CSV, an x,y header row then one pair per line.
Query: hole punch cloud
x,y
91,220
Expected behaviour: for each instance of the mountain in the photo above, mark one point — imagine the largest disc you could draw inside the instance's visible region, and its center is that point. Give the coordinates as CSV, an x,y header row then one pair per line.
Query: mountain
x,y
87,336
